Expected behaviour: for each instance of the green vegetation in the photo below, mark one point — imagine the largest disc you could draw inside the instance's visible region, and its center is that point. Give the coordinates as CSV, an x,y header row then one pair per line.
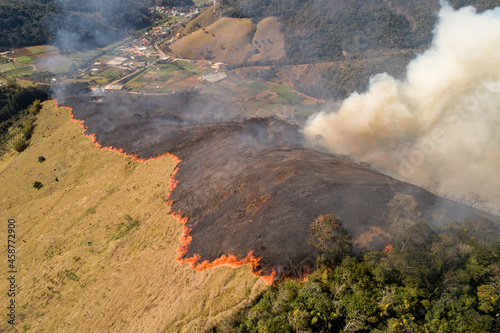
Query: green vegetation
x,y
425,281
72,24
20,144
24,23
37,185
126,226
331,240
18,109
24,60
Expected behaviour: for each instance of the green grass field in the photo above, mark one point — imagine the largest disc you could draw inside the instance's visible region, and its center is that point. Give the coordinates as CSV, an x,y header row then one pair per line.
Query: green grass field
x,y
200,3
41,49
289,98
81,57
108,74
7,67
19,71
25,60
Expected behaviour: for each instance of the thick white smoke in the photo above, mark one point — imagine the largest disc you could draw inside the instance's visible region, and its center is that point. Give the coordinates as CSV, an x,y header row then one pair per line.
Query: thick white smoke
x,y
442,123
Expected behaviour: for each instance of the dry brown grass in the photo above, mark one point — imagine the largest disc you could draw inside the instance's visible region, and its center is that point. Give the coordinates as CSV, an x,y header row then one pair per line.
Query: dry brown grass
x,y
82,265
269,40
233,40
209,16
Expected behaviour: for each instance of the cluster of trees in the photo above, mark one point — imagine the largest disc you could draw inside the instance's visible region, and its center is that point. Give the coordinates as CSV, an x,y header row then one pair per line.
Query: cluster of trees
x,y
425,281
18,108
14,98
24,23
70,24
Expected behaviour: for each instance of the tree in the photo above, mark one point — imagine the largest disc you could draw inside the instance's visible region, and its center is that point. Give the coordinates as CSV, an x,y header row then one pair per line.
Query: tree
x,y
403,213
72,69
331,240
37,185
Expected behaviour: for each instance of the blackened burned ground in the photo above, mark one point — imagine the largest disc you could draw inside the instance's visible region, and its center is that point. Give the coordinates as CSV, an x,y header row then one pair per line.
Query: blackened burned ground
x,y
251,185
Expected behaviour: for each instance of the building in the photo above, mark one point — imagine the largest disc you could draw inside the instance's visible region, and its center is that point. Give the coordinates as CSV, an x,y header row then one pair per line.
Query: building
x,y
114,87
214,77
165,60
117,61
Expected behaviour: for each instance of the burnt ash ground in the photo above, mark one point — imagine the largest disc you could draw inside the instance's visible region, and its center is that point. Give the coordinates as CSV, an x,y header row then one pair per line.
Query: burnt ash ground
x,y
251,185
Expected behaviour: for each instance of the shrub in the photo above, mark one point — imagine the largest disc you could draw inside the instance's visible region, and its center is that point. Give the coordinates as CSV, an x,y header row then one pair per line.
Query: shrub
x,y
20,144
37,185
124,227
35,107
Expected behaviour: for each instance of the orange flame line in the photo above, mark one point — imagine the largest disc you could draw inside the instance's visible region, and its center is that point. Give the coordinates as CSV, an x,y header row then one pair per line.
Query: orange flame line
x,y
185,239
388,248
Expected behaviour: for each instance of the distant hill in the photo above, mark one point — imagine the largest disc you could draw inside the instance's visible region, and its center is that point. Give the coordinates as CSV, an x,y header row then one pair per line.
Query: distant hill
x,y
327,30
323,29
71,24
234,40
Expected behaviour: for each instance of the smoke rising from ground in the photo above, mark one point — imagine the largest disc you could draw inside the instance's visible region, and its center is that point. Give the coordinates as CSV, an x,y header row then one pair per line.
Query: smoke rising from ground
x,y
89,24
442,122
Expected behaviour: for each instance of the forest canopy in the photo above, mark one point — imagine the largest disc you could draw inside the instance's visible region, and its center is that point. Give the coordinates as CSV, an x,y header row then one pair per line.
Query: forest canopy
x,y
424,281
70,24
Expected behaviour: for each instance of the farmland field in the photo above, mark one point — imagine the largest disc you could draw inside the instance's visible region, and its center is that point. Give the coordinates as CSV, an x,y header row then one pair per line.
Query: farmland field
x,y
24,60
19,71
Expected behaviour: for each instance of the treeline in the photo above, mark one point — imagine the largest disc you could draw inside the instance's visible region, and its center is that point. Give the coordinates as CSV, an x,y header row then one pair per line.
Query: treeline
x,y
70,24
14,98
18,108
424,281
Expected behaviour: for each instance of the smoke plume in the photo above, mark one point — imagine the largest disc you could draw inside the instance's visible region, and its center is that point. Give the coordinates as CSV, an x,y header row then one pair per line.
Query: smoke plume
x,y
441,123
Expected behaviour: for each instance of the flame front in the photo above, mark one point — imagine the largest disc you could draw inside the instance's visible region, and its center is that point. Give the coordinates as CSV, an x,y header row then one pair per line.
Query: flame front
x,y
388,248
185,239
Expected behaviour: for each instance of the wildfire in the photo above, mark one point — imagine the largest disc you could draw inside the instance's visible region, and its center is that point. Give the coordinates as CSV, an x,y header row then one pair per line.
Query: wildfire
x,y
185,239
224,260
388,248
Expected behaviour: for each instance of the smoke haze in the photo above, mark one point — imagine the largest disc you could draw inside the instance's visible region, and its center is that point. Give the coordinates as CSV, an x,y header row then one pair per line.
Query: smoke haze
x,y
441,123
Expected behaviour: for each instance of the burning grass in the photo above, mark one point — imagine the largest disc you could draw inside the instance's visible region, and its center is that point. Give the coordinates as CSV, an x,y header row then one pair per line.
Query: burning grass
x,y
72,260
185,239
225,169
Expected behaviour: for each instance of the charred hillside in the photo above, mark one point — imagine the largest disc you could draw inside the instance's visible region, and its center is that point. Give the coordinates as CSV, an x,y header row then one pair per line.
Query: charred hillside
x,y
249,189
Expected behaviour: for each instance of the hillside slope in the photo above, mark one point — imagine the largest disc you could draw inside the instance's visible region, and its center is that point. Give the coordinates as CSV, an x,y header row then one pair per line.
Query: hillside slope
x,y
85,241
233,40
248,191
207,17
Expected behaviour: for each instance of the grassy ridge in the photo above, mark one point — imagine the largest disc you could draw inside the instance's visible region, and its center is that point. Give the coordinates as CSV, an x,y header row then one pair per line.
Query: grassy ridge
x,y
86,239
